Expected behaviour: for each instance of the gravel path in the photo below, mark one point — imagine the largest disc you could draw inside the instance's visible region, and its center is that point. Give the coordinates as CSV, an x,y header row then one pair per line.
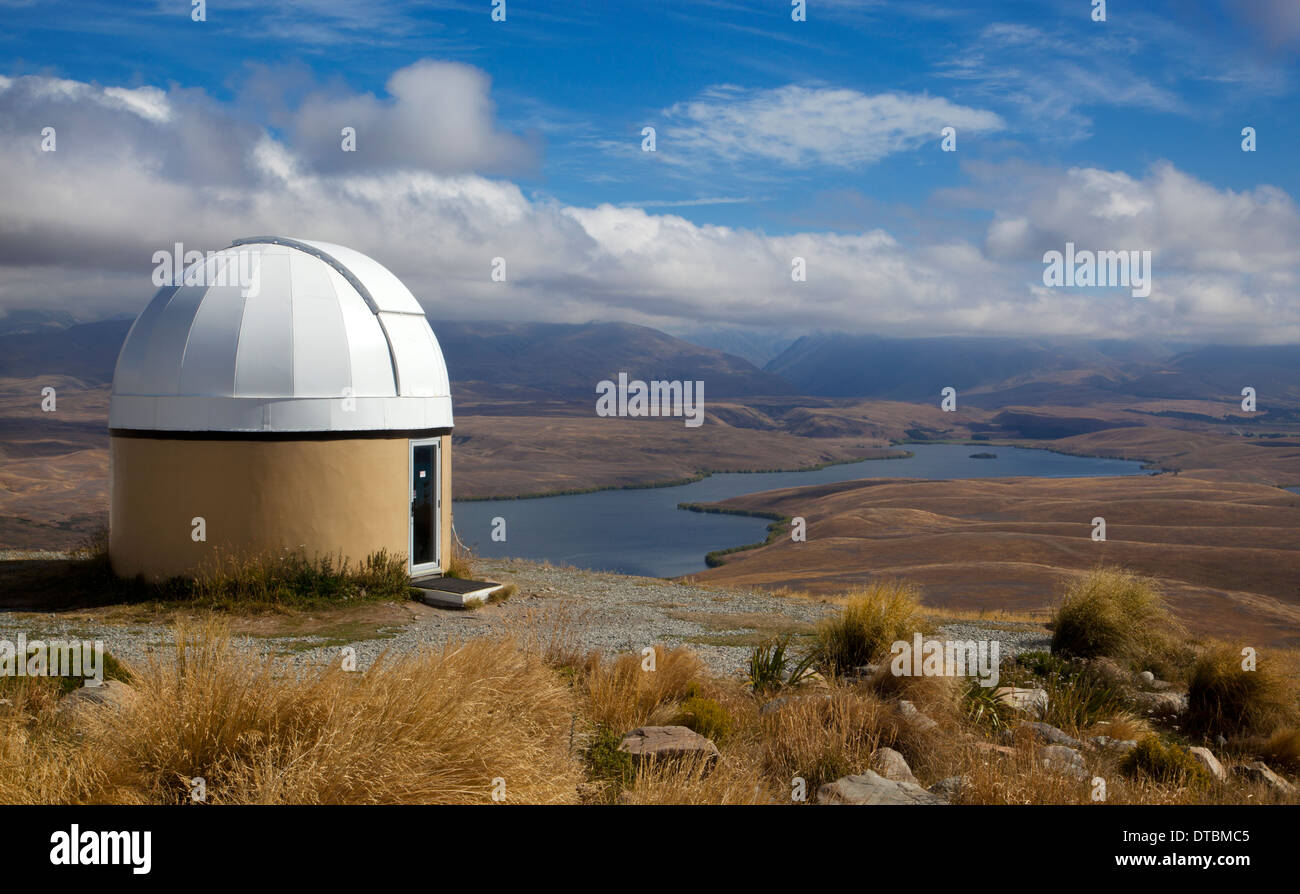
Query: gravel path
x,y
610,612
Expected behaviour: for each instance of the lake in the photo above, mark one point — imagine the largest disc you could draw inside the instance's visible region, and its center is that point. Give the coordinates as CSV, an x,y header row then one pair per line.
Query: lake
x,y
641,531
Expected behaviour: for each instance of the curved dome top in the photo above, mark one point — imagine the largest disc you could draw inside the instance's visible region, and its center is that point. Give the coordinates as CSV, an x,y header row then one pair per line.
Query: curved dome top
x,y
282,335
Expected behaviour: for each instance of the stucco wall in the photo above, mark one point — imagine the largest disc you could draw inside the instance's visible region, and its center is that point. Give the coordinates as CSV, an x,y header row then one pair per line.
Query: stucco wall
x,y
348,496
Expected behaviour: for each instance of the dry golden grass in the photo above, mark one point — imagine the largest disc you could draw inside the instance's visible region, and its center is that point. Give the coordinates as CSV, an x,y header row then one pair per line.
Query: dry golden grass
x,y
622,694
430,728
1116,614
873,617
1224,698
734,780
441,726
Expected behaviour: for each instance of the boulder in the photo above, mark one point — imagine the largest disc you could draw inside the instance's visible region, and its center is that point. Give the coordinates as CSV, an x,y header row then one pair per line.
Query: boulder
x,y
949,788
891,765
1106,743
664,742
1050,735
109,694
1161,704
1031,701
1108,671
1062,759
1258,771
1146,678
872,788
990,748
1205,757
772,706
915,718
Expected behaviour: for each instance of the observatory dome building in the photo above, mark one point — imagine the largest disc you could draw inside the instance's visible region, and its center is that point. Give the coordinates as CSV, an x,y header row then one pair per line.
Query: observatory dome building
x,y
286,395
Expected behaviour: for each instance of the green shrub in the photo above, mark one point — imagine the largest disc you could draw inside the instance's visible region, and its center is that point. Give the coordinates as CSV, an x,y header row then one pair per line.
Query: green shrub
x,y
874,618
1122,616
1167,763
110,667
607,763
1224,699
707,717
291,578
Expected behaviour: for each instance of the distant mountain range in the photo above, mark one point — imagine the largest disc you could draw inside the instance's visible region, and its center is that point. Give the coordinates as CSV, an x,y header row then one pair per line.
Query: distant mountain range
x,y
564,361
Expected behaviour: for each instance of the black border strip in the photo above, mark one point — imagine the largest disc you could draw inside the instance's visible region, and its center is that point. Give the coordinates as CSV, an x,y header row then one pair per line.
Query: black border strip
x,y
365,434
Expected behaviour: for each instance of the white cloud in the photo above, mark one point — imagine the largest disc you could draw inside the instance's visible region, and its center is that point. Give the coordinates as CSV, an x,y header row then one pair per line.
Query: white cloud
x,y
81,225
796,125
438,116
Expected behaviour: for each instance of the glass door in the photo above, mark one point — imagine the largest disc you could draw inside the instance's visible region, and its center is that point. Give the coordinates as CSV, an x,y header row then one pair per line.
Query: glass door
x,y
426,500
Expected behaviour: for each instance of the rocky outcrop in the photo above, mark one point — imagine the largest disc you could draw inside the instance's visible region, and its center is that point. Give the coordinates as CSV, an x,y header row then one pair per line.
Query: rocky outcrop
x,y
1031,701
892,765
649,743
1049,735
872,788
1062,759
1259,772
1205,757
1160,704
915,718
950,788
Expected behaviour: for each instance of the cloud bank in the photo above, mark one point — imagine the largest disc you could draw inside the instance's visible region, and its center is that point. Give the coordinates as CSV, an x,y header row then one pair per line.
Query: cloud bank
x,y
137,170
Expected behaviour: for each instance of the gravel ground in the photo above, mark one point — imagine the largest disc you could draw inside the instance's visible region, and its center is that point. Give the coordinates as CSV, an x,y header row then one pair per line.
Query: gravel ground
x,y
610,612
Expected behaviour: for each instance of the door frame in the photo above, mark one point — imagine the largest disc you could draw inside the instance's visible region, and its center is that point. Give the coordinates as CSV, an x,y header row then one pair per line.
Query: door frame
x,y
434,567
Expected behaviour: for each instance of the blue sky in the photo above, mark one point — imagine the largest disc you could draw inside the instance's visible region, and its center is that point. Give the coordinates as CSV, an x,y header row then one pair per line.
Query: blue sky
x,y
801,132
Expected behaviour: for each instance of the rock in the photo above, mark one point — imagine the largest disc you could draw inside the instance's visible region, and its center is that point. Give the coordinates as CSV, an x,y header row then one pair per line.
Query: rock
x,y
866,671
1205,757
1108,671
1062,759
1161,704
1050,735
914,717
774,705
1031,701
872,788
990,748
1258,771
656,742
891,765
1106,743
949,788
1146,678
109,694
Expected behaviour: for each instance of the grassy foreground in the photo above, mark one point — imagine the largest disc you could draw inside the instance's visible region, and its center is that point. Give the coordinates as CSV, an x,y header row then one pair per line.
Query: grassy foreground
x,y
531,719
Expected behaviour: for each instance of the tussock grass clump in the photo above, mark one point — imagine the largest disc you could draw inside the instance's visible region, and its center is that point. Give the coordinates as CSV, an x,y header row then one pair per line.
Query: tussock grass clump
x,y
1115,614
1165,763
430,727
873,618
1224,699
622,694
821,737
292,579
737,780
461,561
1282,749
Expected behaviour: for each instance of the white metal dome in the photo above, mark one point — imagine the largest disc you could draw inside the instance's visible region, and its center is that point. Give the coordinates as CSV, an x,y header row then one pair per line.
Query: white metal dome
x,y
282,335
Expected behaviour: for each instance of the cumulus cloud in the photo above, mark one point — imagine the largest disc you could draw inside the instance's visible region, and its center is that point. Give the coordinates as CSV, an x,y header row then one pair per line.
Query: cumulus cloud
x,y
438,116
796,125
81,226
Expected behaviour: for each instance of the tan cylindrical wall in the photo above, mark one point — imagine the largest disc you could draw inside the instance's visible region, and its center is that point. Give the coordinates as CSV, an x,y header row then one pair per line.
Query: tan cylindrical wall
x,y
329,496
